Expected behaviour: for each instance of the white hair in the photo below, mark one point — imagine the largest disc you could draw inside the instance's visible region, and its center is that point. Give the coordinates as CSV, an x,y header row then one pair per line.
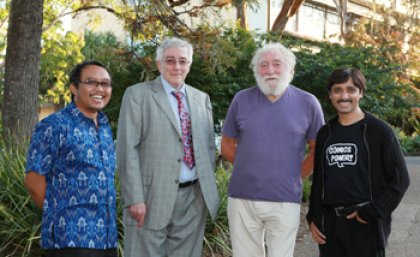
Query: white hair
x,y
173,42
287,57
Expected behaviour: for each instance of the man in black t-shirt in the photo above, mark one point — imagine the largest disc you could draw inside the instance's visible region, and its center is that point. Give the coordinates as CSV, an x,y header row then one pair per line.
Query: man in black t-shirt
x,y
359,176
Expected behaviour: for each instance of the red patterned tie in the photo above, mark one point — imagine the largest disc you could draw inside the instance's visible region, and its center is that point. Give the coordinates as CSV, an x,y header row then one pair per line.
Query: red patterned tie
x,y
185,130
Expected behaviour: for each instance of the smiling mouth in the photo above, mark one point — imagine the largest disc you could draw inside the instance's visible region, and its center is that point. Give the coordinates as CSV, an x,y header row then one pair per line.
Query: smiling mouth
x,y
97,97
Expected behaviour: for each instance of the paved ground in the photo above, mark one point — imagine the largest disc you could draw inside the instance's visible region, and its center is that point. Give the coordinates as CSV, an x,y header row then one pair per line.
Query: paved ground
x,y
404,240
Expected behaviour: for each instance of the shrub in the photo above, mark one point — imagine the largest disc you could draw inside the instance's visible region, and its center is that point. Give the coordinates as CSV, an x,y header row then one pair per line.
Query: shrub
x,y
19,218
216,238
410,145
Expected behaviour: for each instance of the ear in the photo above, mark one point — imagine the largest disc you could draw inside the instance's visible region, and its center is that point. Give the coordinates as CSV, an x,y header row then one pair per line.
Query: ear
x,y
159,66
73,89
292,72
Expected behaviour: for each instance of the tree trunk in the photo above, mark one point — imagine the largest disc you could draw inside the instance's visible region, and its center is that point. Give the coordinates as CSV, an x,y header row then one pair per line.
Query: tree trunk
x,y
23,53
241,15
289,8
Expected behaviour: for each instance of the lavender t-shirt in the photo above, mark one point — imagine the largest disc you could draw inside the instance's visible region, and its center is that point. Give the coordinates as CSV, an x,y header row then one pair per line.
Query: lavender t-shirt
x,y
271,143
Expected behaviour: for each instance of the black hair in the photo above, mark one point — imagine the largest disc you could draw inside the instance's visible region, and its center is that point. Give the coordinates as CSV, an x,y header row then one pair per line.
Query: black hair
x,y
342,75
76,73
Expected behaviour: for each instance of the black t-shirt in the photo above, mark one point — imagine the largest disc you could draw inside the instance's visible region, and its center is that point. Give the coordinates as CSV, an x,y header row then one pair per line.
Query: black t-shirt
x,y
346,167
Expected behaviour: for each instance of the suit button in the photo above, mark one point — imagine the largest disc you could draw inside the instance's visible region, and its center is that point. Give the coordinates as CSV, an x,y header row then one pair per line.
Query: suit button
x,y
179,160
176,181
180,140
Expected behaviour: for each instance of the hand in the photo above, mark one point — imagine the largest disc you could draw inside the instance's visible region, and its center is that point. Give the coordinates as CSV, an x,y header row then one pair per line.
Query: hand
x,y
317,236
138,212
356,215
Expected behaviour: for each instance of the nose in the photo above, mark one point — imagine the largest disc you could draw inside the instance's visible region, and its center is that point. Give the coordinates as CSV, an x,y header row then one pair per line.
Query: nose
x,y
99,86
176,64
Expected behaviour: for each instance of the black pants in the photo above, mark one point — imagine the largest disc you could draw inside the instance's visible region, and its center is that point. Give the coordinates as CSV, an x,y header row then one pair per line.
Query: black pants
x,y
349,238
82,252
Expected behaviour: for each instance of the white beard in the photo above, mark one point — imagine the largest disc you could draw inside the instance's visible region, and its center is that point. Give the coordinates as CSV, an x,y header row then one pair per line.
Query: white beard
x,y
278,88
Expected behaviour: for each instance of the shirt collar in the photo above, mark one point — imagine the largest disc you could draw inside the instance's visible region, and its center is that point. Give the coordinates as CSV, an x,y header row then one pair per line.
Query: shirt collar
x,y
102,119
169,89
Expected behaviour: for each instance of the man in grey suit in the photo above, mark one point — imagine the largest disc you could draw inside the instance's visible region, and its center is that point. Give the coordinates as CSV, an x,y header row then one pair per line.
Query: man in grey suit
x,y
166,160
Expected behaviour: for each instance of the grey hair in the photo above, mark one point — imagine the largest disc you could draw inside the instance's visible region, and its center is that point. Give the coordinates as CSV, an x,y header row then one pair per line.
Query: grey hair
x,y
172,42
286,56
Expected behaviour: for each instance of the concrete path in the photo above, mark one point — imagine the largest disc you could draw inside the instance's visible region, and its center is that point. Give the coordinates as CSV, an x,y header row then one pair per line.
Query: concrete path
x,y
404,240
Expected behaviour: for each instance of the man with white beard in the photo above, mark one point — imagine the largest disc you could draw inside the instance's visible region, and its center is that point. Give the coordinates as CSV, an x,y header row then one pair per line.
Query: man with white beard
x,y
264,136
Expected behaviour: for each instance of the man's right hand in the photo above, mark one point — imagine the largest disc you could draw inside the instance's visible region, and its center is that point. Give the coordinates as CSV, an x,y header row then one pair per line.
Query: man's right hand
x,y
138,212
317,235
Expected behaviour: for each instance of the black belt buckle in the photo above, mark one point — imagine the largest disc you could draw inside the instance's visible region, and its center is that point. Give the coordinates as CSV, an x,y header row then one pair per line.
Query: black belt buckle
x,y
342,211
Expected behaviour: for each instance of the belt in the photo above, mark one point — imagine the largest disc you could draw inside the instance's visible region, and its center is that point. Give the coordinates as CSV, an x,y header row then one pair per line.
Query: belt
x,y
188,183
344,210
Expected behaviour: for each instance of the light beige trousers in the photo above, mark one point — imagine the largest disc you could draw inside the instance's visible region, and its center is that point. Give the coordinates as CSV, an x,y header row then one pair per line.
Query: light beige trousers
x,y
253,222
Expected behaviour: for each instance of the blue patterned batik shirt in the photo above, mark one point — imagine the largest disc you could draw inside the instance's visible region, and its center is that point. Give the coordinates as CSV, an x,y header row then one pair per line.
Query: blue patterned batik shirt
x,y
78,161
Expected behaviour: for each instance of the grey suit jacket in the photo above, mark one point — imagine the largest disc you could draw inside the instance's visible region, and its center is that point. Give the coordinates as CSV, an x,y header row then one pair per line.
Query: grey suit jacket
x,y
150,151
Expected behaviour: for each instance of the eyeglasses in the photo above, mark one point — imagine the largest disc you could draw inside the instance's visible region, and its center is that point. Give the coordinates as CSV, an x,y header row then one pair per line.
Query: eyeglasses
x,y
94,83
173,62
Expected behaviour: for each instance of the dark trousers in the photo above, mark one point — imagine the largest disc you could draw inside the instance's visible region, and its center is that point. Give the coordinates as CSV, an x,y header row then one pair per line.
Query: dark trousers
x,y
349,238
82,252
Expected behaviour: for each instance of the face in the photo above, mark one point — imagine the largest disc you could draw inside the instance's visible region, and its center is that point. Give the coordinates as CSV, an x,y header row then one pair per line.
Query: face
x,y
174,66
89,96
345,97
273,76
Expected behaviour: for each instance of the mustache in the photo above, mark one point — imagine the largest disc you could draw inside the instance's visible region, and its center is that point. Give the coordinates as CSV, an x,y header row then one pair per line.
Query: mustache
x,y
270,78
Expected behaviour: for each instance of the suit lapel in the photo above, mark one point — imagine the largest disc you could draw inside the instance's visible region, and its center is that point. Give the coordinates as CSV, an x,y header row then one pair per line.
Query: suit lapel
x,y
159,94
193,105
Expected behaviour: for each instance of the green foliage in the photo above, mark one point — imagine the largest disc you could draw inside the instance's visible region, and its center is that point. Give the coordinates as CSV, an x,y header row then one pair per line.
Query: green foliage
x,y
409,144
127,64
385,96
59,54
222,68
216,238
19,218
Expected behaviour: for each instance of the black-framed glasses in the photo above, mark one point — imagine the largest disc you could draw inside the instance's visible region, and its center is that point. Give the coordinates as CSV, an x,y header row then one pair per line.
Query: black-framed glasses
x,y
94,83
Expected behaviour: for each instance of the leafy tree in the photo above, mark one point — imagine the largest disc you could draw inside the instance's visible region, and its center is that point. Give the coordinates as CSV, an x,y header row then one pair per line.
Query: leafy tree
x,y
59,54
395,36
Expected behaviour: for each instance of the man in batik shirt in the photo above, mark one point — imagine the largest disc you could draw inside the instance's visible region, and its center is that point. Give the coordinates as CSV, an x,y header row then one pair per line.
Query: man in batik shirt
x,y
70,170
